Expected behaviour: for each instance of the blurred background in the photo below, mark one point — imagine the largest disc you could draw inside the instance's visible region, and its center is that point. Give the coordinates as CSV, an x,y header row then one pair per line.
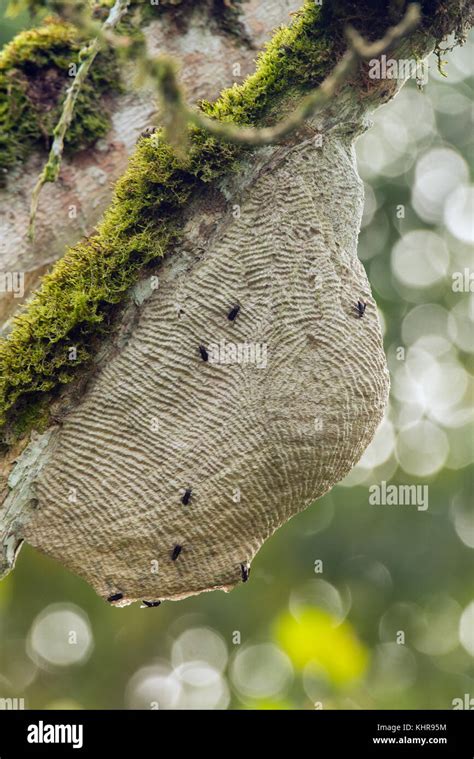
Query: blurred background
x,y
350,605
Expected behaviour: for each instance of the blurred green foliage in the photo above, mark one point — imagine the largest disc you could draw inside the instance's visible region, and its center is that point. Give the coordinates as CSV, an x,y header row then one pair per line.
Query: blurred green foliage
x,y
10,26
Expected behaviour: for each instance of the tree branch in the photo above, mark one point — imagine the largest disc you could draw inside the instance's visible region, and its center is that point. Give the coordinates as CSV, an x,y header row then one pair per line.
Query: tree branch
x,y
164,72
178,114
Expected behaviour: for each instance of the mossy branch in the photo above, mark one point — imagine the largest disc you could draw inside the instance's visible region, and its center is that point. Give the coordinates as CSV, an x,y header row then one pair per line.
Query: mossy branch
x,y
178,114
87,55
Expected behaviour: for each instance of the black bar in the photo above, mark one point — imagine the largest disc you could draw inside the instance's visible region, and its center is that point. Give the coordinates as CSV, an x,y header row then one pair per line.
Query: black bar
x,y
319,733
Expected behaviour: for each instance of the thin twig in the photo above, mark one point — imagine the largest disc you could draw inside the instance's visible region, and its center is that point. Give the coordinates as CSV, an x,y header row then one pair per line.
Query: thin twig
x,y
51,169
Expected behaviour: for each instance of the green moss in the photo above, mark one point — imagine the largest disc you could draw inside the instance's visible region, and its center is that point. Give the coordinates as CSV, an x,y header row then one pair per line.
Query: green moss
x,y
34,74
296,58
31,415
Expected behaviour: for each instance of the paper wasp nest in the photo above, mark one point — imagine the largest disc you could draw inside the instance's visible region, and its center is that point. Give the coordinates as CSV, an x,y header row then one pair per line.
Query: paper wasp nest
x,y
237,392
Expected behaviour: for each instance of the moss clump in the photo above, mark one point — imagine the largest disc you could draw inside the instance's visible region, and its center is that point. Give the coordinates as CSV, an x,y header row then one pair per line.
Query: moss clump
x,y
34,74
30,416
295,60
